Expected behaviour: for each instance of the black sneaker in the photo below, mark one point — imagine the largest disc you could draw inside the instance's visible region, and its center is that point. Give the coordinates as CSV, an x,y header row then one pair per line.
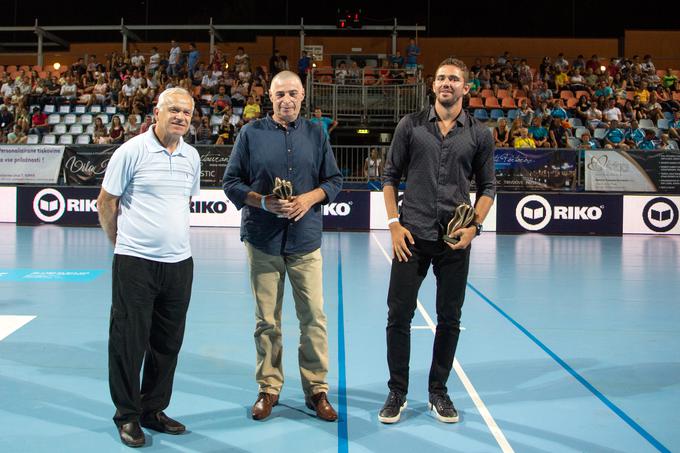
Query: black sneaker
x,y
391,410
442,407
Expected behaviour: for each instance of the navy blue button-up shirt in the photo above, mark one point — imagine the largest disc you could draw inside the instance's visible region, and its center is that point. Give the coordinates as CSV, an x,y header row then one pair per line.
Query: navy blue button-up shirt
x,y
301,154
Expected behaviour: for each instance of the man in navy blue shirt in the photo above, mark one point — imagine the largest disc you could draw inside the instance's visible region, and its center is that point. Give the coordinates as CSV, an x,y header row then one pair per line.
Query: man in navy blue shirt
x,y
284,237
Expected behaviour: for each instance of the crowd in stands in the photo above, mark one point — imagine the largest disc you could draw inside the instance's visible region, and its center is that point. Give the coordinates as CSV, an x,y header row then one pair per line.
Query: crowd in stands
x,y
618,104
111,100
586,104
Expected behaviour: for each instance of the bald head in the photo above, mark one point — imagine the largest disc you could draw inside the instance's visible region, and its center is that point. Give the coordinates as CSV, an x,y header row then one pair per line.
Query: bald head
x,y
286,76
287,94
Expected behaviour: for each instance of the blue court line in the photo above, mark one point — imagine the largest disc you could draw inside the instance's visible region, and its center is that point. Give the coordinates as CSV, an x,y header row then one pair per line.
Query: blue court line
x,y
632,423
343,446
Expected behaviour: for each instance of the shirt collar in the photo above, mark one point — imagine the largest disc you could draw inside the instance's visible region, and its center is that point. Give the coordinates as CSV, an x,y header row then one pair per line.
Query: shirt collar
x,y
461,120
153,145
293,125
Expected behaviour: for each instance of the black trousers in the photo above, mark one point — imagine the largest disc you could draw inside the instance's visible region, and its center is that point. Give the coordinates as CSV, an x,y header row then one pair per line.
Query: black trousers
x,y
148,314
451,270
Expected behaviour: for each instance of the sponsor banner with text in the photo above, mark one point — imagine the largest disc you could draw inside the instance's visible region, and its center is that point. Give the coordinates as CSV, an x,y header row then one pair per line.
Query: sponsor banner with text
x,y
8,204
632,171
30,164
75,206
379,215
560,213
651,214
213,208
350,210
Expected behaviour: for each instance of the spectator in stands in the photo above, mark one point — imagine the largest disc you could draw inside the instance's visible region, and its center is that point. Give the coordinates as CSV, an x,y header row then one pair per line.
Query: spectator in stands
x,y
6,118
619,86
501,134
525,112
17,136
304,66
670,80
127,93
594,63
192,59
220,102
615,136
116,130
384,73
579,63
515,127
154,61
204,132
226,132
561,62
587,142
412,53
604,90
276,63
653,109
132,127
673,126
591,79
7,89
79,68
642,92
539,133
251,111
354,74
667,143
397,59
663,97
629,113
558,134
561,80
174,59
647,65
524,140
581,108
612,112
397,76
148,121
137,59
541,93
39,124
639,108
649,141
209,83
373,165
327,124
634,135
68,92
17,99
558,110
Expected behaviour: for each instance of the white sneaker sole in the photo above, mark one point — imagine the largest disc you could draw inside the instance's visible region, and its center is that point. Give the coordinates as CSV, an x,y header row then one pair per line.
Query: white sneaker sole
x,y
441,418
394,419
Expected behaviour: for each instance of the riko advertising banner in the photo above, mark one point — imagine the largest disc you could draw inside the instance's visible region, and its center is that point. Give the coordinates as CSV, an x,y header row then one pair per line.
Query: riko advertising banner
x,y
536,169
651,214
560,213
30,164
351,210
76,206
632,171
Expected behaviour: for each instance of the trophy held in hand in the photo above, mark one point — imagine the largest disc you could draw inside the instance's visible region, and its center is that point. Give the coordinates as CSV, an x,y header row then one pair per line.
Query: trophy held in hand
x,y
463,217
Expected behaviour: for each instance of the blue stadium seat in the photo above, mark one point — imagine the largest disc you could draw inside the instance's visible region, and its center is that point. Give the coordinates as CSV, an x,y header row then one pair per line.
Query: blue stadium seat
x,y
481,114
496,114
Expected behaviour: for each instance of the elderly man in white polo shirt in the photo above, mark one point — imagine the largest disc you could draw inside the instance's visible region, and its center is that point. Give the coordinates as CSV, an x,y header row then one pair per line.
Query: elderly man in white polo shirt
x,y
144,210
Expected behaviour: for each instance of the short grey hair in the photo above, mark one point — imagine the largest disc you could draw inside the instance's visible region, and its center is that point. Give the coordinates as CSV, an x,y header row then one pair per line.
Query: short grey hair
x,y
163,98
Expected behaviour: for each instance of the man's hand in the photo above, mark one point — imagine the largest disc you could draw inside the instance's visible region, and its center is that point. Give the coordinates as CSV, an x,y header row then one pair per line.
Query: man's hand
x,y
465,236
297,206
275,205
400,235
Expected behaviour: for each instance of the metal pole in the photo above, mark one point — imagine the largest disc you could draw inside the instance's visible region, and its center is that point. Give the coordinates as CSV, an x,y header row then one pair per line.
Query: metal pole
x,y
40,50
394,38
302,34
212,40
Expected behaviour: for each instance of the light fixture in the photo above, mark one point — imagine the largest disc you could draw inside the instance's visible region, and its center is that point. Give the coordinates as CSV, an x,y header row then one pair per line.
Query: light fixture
x,y
603,68
56,66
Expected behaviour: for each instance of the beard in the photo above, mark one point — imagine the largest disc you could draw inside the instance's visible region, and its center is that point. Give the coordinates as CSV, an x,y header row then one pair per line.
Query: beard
x,y
448,102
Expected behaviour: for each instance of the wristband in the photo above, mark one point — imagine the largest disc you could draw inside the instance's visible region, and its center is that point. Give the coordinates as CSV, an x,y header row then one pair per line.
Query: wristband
x,y
392,220
262,203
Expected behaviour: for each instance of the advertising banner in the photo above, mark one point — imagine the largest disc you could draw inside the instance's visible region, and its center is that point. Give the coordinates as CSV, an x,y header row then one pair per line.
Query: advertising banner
x,y
213,208
30,164
8,204
632,171
536,169
651,214
351,210
560,213
379,215
75,206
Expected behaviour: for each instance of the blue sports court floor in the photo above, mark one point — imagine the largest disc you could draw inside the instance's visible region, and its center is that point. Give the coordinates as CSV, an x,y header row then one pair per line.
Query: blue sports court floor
x,y
571,344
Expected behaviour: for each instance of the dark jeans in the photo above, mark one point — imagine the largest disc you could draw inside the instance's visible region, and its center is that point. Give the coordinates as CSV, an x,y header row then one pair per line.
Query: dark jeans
x,y
148,313
450,269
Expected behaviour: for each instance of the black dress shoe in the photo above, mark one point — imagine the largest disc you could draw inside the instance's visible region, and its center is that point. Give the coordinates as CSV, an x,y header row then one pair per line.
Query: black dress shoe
x,y
160,422
131,434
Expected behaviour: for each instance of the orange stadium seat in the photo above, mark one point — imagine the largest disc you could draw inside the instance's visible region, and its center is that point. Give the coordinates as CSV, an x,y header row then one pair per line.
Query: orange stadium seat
x,y
37,68
582,93
572,102
491,102
503,94
508,103
476,103
517,93
487,93
566,94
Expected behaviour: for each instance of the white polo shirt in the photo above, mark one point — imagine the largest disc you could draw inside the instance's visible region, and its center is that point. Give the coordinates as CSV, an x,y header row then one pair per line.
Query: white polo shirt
x,y
154,187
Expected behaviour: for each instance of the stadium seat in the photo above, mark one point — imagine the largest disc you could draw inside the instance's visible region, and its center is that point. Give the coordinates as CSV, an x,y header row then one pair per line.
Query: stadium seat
x,y
66,139
573,142
503,94
49,139
491,103
89,130
104,117
566,94
76,129
486,93
216,120
86,118
599,133
111,110
95,108
70,118
475,103
32,139
512,114
53,119
79,109
481,114
580,130
646,123
83,139
572,103
49,108
575,122
59,129
508,103
496,114
668,116
663,124
64,109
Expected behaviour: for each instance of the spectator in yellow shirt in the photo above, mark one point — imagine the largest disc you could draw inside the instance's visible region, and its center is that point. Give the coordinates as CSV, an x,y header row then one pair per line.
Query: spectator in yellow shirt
x,y
251,110
524,141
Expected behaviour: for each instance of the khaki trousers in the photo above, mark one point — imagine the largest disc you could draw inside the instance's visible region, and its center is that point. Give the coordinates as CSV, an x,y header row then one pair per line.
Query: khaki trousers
x,y
267,277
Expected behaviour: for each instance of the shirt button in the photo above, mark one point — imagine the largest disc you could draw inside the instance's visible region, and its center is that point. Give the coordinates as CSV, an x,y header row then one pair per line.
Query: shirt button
x,y
290,169
289,150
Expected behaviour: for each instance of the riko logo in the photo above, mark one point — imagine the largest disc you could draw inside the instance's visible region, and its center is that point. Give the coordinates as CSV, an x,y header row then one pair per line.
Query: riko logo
x,y
208,207
49,205
338,209
660,214
533,212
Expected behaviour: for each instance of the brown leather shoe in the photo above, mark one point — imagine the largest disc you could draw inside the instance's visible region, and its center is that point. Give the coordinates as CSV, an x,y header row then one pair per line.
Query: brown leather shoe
x,y
323,408
131,434
263,406
160,422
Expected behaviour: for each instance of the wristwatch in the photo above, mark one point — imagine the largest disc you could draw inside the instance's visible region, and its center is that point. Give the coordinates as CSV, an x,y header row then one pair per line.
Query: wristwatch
x,y
479,228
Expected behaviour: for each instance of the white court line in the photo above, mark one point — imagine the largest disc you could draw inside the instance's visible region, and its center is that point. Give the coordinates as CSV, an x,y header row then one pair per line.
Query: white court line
x,y
481,407
10,323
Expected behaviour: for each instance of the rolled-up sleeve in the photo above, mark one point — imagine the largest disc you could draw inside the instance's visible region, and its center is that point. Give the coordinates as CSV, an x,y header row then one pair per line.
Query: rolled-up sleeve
x,y
235,182
330,178
483,165
398,156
